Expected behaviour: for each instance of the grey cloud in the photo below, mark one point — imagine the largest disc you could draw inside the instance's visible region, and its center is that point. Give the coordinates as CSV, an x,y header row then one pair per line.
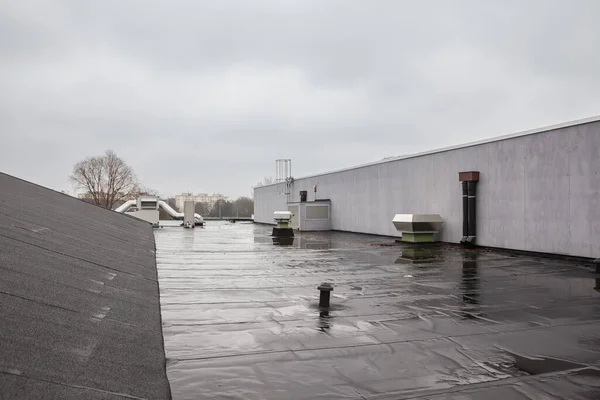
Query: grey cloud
x,y
205,95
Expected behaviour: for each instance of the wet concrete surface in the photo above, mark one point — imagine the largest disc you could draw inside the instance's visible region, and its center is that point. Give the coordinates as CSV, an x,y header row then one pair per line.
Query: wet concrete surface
x,y
241,319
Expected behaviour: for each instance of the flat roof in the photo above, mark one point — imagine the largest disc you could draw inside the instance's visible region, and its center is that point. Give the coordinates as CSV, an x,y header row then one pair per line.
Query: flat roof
x,y
460,146
241,318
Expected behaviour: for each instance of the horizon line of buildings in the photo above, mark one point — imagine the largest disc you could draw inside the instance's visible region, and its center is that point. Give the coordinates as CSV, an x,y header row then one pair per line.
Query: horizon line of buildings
x,y
180,199
206,198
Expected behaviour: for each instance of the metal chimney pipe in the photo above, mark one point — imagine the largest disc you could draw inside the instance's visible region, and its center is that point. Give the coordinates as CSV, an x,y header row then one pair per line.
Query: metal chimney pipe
x,y
469,181
472,197
465,207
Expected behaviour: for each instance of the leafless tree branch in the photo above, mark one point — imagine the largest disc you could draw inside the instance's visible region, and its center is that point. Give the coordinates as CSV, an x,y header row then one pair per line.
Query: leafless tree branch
x,y
107,179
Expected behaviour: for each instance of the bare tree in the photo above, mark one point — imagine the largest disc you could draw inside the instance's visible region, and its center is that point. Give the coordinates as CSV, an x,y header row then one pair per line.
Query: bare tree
x,y
266,181
106,179
243,207
143,191
202,208
221,209
172,203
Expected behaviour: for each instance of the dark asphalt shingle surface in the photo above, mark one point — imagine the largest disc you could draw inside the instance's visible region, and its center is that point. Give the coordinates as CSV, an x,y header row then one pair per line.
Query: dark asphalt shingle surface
x,y
79,300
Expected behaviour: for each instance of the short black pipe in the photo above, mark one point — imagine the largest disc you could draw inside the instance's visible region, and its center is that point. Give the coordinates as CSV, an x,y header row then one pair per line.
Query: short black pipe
x,y
465,206
325,289
324,298
472,197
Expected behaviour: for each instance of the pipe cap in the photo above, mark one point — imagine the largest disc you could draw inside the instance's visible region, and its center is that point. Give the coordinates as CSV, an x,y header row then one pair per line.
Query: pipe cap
x,y
325,287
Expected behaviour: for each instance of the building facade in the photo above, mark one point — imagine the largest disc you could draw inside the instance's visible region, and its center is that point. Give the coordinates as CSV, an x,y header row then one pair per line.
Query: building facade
x,y
538,191
209,199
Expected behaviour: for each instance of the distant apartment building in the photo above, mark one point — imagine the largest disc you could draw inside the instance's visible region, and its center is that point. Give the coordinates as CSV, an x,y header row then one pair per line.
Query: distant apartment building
x,y
209,199
180,199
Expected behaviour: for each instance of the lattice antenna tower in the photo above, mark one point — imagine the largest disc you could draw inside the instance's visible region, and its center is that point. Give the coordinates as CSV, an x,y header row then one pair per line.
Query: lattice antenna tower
x,y
283,175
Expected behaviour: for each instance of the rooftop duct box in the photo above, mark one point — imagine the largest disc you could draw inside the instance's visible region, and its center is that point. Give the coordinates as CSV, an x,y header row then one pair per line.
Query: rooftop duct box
x,y
147,203
189,214
283,228
311,216
418,227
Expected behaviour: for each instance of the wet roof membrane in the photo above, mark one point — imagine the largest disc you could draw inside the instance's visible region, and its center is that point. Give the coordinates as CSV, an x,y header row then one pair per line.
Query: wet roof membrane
x,y
241,319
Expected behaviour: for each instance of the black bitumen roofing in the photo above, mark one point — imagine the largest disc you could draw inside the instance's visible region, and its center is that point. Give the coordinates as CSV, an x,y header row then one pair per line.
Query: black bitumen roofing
x,y
241,319
79,300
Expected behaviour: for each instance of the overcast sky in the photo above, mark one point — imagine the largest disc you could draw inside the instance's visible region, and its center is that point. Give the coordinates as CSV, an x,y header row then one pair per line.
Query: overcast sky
x,y
203,96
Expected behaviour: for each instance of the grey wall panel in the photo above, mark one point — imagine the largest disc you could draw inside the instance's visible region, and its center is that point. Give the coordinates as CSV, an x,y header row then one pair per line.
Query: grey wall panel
x,y
317,211
504,193
538,192
317,225
546,192
584,189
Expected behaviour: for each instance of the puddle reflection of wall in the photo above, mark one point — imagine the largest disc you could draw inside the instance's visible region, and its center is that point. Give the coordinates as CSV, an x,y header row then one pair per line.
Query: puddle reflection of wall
x,y
470,285
564,286
264,239
283,240
311,244
302,243
420,254
298,242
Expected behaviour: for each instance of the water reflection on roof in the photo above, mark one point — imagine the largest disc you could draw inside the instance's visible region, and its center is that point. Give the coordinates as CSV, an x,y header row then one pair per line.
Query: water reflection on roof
x,y
241,318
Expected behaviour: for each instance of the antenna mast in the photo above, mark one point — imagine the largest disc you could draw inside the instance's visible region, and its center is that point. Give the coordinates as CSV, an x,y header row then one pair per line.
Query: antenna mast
x,y
283,176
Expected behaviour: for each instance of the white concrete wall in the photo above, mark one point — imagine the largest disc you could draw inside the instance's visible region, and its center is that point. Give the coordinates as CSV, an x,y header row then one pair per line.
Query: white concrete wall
x,y
267,202
537,192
